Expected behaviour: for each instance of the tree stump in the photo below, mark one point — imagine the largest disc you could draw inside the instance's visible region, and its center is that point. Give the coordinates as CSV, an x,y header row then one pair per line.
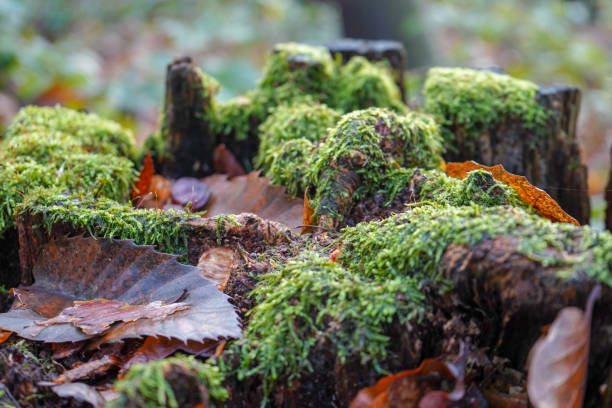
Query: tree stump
x,y
374,50
186,126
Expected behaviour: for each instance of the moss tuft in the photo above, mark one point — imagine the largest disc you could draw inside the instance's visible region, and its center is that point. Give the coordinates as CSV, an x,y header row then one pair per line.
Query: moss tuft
x,y
144,385
471,101
289,163
361,84
369,143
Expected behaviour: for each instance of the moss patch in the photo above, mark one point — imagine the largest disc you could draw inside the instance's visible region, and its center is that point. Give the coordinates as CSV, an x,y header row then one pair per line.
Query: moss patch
x,y
471,101
145,385
370,143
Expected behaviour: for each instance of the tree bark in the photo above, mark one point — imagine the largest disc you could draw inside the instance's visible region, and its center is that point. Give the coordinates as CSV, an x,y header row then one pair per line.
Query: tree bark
x,y
189,137
551,163
374,50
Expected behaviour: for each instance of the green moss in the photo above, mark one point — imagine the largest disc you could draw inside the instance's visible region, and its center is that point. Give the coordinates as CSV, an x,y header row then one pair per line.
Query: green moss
x,y
362,84
370,143
144,385
414,241
240,115
103,217
295,121
293,70
288,164
311,301
91,132
472,101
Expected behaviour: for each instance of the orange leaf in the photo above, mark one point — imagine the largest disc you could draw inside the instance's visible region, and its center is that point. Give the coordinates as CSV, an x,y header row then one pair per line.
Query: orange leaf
x,y
537,198
308,217
252,194
4,335
142,186
558,364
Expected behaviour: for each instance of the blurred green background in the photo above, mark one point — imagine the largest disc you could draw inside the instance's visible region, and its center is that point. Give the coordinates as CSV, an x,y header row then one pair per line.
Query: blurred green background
x,y
110,56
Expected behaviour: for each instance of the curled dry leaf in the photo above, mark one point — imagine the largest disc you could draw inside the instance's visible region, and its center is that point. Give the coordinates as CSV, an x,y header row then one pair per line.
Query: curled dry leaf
x,y
142,185
216,264
537,198
125,275
4,335
253,194
558,362
226,163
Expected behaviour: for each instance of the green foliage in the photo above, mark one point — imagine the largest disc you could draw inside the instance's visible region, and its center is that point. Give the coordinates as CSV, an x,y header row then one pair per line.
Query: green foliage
x,y
361,84
144,385
240,115
415,240
471,101
312,301
104,217
371,143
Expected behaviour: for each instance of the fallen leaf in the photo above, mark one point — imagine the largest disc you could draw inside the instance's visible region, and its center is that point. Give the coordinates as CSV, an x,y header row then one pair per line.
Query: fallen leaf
x,y
142,185
95,316
80,392
308,216
253,194
66,349
226,163
156,348
123,273
558,362
88,370
537,198
190,191
4,335
216,264
160,187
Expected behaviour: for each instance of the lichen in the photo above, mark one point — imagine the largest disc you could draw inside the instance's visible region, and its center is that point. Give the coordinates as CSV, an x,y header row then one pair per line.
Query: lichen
x,y
361,84
369,143
144,385
472,101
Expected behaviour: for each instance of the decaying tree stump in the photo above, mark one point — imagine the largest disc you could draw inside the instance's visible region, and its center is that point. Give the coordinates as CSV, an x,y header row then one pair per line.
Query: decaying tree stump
x,y
551,163
374,50
186,126
609,198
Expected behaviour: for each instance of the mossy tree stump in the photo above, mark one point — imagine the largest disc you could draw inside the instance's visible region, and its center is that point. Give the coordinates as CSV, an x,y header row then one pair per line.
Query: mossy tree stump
x,y
186,124
495,119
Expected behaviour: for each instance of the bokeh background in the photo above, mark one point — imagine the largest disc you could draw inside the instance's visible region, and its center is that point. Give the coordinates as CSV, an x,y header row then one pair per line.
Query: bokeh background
x,y
110,56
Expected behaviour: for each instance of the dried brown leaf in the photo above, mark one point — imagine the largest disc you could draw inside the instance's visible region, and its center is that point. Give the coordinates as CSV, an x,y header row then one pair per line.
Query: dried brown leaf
x,y
253,194
216,264
4,335
558,363
537,198
80,392
84,269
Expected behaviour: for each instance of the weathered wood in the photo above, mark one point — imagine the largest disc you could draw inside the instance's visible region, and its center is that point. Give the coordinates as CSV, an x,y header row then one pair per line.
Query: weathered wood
x,y
186,128
374,50
550,161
